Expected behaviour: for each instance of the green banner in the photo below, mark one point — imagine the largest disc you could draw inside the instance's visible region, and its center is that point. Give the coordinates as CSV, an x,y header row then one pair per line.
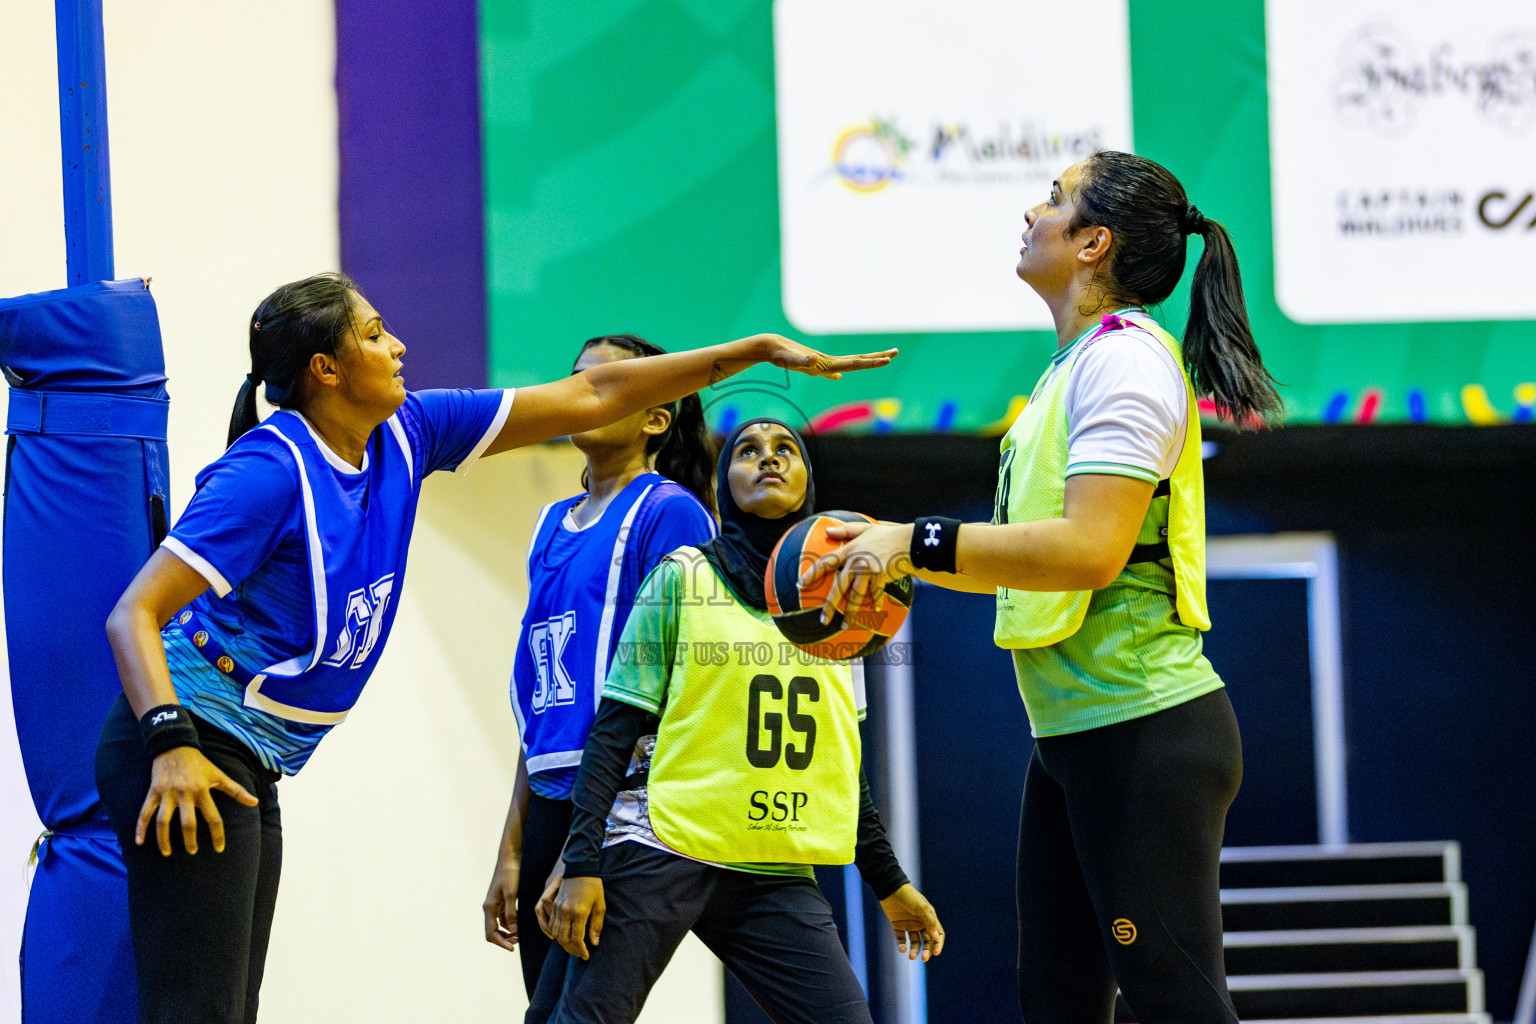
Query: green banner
x,y
632,185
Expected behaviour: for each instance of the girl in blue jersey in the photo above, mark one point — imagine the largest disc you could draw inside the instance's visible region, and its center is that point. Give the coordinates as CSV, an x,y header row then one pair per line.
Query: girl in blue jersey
x,y
251,631
649,491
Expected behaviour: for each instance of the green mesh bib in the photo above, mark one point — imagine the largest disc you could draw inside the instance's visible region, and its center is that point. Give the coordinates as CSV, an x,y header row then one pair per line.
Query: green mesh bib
x,y
757,756
1032,485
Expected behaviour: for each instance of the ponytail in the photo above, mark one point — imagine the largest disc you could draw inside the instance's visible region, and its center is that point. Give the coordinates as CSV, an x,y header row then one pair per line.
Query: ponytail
x,y
685,451
1219,349
246,415
292,325
1150,219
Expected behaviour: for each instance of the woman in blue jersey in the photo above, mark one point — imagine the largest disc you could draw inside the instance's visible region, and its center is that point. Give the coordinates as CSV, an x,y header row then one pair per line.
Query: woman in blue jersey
x,y
1096,557
251,631
649,484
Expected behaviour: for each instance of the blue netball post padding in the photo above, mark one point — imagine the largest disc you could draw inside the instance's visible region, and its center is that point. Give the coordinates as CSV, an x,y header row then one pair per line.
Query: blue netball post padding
x,y
86,497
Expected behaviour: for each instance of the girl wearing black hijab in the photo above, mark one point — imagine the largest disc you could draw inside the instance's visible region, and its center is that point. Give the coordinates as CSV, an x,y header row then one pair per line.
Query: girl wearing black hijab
x,y
702,831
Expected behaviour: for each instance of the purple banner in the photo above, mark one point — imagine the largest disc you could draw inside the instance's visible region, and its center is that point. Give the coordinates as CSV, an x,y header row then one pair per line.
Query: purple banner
x,y
412,221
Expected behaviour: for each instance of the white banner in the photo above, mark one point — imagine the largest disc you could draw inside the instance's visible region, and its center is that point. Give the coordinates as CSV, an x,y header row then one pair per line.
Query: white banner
x,y
1403,159
912,137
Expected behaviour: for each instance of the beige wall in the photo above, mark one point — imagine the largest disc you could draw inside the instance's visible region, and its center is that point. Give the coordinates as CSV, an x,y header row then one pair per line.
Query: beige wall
x,y
223,124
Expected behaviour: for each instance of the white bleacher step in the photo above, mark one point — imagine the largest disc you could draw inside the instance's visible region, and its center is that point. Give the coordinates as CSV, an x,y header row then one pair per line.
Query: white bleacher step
x,y
1352,864
1375,993
1344,906
1303,951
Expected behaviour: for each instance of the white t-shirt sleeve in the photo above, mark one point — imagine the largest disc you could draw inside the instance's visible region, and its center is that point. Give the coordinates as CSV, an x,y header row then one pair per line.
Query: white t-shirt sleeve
x,y
1127,410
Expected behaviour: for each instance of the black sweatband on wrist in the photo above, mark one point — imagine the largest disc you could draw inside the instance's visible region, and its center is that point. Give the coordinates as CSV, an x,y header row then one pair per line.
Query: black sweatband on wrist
x,y
165,727
934,539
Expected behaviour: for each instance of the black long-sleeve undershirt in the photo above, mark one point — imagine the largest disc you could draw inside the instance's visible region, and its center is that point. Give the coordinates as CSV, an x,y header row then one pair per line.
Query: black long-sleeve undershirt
x,y
605,762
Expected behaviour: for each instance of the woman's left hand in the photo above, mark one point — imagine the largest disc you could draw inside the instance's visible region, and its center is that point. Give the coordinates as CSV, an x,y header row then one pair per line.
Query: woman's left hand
x,y
791,355
876,554
917,927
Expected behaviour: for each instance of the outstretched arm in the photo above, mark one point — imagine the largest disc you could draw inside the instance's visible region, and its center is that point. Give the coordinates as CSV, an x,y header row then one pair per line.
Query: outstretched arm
x,y
1083,549
611,391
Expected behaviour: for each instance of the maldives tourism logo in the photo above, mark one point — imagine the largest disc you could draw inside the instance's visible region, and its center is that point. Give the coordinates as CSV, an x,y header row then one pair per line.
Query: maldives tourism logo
x,y
869,156
873,154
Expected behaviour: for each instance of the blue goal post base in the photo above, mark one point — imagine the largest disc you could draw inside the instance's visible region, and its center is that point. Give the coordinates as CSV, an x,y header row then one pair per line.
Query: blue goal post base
x,y
85,504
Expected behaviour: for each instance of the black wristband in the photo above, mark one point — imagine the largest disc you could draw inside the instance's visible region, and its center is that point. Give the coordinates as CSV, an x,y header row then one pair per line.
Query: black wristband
x,y
933,543
167,726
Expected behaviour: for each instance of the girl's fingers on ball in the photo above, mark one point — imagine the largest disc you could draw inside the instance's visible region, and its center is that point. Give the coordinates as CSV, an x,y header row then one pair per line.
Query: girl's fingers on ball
x,y
837,595
819,568
846,531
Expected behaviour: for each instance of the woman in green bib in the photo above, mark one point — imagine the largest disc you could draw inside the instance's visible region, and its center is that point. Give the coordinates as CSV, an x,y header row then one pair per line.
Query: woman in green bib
x,y
722,764
1096,554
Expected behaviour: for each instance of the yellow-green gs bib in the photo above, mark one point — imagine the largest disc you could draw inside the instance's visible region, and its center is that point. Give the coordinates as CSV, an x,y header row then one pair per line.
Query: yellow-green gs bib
x,y
757,755
1031,485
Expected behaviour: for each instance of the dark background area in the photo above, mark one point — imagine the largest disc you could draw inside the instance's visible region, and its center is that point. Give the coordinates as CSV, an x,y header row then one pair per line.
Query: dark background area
x,y
1436,551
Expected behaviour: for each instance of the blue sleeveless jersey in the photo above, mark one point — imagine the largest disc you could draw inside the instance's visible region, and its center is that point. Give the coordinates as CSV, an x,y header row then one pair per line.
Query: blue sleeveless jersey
x,y
306,556
581,589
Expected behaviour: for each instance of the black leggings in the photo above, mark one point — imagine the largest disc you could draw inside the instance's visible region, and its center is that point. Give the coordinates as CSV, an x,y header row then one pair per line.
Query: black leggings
x,y
200,923
544,833
774,933
1119,850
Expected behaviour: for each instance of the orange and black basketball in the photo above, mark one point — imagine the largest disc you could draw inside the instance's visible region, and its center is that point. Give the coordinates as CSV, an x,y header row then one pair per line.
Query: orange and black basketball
x,y
853,632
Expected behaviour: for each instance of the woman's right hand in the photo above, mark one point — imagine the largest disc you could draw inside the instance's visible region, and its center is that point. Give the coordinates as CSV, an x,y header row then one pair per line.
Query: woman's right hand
x,y
791,355
182,781
500,904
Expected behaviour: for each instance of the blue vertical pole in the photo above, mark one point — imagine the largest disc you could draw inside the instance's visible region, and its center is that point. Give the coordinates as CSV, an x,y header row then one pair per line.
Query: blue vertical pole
x,y
83,138
853,910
